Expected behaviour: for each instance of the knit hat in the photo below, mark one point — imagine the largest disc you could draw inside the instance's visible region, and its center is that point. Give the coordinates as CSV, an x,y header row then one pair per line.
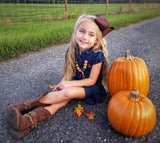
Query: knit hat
x,y
103,25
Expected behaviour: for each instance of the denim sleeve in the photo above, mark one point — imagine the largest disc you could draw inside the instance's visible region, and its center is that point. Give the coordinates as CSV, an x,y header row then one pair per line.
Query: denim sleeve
x,y
98,58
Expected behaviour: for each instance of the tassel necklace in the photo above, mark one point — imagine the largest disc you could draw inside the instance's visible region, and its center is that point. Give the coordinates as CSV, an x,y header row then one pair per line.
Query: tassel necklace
x,y
84,68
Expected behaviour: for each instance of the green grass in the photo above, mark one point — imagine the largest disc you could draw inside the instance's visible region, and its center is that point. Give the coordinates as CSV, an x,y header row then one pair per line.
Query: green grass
x,y
11,13
17,39
20,38
126,19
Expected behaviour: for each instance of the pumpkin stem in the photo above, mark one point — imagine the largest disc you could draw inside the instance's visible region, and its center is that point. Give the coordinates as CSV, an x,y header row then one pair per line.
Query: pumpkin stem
x,y
134,95
128,55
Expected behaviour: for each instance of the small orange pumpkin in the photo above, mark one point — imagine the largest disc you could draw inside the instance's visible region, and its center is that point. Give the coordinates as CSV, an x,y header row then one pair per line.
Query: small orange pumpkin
x,y
131,113
127,73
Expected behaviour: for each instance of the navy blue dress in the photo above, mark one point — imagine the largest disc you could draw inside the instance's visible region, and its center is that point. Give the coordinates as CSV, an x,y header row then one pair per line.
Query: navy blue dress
x,y
93,93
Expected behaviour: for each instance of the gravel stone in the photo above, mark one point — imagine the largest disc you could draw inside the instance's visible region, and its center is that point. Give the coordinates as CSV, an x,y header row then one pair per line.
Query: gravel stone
x,y
31,75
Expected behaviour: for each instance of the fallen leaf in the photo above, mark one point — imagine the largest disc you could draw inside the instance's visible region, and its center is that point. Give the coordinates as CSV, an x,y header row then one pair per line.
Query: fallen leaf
x,y
79,107
78,110
52,86
90,115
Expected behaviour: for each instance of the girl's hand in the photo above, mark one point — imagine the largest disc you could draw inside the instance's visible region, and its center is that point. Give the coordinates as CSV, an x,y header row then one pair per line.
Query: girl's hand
x,y
56,88
62,85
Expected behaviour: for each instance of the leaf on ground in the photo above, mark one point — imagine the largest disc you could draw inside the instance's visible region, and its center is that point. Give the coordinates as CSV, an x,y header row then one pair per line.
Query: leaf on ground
x,y
78,110
90,115
52,86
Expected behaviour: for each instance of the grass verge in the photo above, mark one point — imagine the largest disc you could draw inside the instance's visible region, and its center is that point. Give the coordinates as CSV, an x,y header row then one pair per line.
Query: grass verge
x,y
17,39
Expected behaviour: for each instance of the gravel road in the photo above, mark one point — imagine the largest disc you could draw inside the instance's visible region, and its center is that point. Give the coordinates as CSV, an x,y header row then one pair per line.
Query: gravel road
x,y
28,77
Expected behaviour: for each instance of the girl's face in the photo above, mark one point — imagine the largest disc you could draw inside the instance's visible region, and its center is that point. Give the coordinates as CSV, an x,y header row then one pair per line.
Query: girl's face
x,y
86,35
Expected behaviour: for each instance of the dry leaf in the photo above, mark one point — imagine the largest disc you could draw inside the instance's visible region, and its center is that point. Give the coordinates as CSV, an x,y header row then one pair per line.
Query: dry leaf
x,y
90,115
78,110
52,86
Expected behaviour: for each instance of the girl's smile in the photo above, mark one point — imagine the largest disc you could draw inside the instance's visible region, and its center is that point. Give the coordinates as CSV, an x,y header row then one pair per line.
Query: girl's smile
x,y
86,35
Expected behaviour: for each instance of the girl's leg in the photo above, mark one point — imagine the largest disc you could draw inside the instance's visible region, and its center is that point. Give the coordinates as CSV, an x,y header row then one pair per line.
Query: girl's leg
x,y
27,105
63,95
55,107
22,124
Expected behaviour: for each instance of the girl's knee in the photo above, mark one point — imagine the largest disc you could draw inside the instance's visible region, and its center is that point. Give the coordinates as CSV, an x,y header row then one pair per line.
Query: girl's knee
x,y
68,93
71,93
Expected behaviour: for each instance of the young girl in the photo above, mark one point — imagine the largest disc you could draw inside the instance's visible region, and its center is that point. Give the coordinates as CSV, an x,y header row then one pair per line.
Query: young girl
x,y
84,77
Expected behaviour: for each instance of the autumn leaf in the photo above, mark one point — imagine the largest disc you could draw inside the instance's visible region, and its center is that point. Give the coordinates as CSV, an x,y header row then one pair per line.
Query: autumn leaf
x,y
90,115
79,107
78,110
52,86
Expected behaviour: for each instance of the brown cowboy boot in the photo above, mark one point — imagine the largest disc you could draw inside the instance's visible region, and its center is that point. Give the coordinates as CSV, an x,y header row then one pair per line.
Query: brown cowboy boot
x,y
27,105
19,134
22,124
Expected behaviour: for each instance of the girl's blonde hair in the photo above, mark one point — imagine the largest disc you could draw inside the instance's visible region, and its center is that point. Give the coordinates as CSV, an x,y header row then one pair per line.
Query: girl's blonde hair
x,y
100,45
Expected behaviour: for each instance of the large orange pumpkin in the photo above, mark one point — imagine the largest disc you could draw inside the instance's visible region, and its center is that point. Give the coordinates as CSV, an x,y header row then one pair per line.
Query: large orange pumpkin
x,y
127,73
131,113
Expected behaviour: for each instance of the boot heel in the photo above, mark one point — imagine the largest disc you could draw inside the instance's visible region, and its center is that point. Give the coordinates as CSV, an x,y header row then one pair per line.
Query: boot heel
x,y
17,134
12,118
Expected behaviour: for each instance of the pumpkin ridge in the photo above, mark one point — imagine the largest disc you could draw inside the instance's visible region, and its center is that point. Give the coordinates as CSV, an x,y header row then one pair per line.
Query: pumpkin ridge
x,y
146,80
124,77
130,81
137,119
118,80
149,122
130,117
135,75
140,123
145,126
139,74
114,101
122,115
111,78
120,84
118,96
143,76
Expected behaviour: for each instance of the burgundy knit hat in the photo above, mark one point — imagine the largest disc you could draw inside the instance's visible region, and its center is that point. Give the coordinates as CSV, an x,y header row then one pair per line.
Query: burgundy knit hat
x,y
103,25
